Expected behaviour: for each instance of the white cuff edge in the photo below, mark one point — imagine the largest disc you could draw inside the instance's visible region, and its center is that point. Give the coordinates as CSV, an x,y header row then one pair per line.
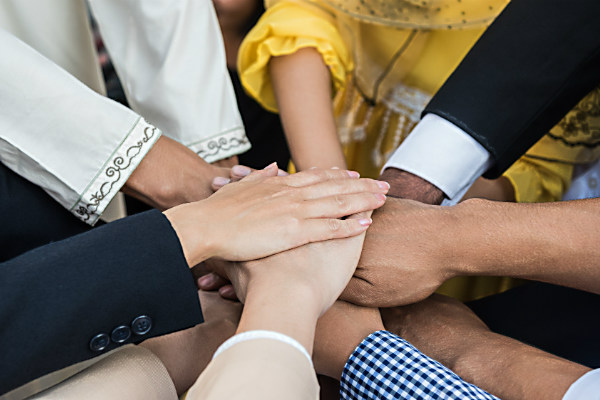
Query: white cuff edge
x,y
262,334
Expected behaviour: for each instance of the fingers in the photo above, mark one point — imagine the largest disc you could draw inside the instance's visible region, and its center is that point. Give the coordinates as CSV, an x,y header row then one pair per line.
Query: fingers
x,y
312,176
344,186
211,281
227,292
258,175
219,182
316,230
239,171
342,205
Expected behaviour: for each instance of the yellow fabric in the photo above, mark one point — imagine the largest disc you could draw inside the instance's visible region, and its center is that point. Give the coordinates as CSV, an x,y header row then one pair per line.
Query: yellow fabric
x,y
283,30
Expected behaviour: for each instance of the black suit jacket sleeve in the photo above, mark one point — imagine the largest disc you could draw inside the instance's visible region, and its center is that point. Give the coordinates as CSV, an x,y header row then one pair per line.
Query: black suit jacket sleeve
x,y
533,64
57,297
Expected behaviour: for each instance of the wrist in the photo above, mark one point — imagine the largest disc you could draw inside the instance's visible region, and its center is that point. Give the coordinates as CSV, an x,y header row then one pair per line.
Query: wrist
x,y
197,246
408,186
288,308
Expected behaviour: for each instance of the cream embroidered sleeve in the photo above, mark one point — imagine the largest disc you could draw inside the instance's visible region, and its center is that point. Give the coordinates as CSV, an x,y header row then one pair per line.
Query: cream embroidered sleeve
x,y
170,58
77,145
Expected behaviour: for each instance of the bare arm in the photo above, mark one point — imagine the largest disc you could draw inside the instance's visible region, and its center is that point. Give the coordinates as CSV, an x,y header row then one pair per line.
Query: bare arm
x,y
412,248
302,86
550,242
448,331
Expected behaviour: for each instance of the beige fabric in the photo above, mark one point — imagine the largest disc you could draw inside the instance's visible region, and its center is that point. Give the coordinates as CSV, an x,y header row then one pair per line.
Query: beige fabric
x,y
133,372
257,369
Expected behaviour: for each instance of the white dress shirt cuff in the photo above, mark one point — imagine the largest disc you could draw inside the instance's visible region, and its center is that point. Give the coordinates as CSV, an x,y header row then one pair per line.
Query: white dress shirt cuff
x,y
260,334
442,154
587,387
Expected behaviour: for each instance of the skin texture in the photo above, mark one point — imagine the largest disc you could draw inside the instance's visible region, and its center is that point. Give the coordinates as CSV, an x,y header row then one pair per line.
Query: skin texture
x,y
404,255
448,331
288,291
285,212
171,174
339,331
405,185
302,86
491,189
412,248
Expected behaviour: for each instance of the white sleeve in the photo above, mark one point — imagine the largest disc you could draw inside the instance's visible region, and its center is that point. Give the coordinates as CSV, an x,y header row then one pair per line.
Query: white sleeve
x,y
170,57
585,388
262,334
442,154
77,145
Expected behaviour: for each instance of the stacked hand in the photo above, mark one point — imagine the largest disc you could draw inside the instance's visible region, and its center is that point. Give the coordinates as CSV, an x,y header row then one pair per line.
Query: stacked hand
x,y
406,256
265,214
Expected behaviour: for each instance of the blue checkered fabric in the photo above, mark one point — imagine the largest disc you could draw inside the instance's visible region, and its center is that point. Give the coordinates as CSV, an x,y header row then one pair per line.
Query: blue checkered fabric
x,y
385,366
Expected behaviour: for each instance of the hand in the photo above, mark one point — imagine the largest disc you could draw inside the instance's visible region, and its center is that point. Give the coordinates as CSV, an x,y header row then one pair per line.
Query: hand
x,y
237,173
323,268
170,175
406,257
264,214
211,280
288,291
339,331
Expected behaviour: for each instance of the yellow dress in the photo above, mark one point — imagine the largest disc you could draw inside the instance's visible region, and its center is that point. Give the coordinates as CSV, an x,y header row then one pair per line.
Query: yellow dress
x,y
386,59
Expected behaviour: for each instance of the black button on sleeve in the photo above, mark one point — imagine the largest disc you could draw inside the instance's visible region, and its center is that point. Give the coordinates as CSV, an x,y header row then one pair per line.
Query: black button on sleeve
x,y
99,342
120,334
141,325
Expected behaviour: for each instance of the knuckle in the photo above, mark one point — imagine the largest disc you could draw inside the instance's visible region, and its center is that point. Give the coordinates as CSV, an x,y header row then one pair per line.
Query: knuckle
x,y
334,225
343,203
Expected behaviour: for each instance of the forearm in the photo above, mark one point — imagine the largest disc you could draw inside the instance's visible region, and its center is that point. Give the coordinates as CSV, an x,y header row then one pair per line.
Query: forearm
x,y
408,186
550,242
526,372
276,307
302,86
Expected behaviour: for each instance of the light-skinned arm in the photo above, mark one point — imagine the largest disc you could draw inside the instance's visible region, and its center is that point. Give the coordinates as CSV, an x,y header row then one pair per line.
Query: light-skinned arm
x,y
302,85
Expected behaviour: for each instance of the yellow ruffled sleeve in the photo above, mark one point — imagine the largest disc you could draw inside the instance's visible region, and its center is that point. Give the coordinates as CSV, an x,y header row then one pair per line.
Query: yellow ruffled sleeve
x,y
283,29
536,180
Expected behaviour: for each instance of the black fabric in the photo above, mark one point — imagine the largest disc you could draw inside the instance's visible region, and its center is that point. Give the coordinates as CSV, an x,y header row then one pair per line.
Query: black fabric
x,y
56,297
29,217
263,129
556,319
534,63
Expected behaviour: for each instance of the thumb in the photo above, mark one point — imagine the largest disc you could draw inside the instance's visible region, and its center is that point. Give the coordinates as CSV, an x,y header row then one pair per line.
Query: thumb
x,y
258,175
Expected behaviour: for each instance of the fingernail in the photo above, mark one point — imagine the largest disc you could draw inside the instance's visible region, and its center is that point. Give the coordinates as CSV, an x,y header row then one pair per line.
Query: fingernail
x,y
353,174
226,291
282,173
365,221
220,181
383,185
240,170
205,280
380,196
